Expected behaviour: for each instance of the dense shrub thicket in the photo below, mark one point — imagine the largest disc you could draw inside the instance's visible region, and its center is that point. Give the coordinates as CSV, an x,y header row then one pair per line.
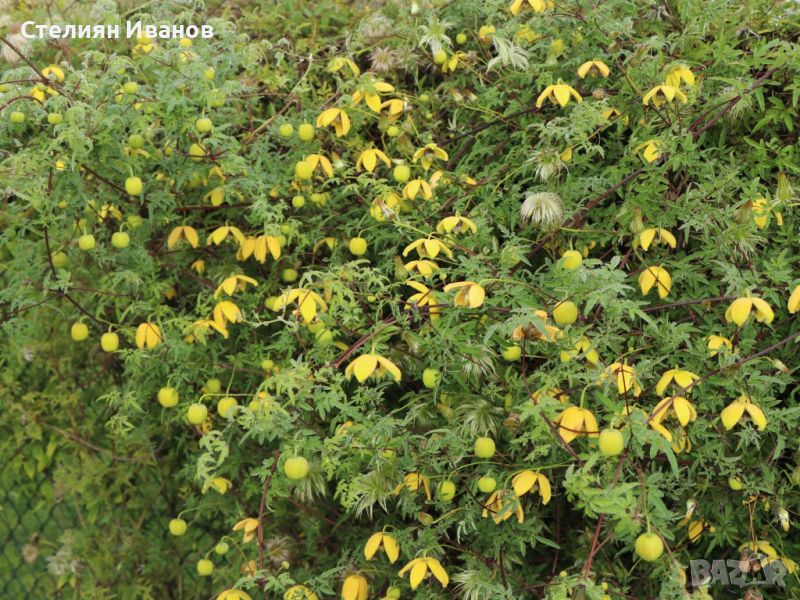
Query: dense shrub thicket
x,y
405,299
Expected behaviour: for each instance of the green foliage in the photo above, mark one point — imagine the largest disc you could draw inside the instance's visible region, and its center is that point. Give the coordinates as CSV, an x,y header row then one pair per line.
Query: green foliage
x,y
679,200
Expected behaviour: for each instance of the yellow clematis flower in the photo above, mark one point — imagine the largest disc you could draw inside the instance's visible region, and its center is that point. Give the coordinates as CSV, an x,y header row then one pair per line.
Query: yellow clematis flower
x,y
459,224
226,312
258,247
233,283
612,113
149,335
428,248
423,267
367,364
657,234
106,210
394,107
716,342
696,528
368,159
794,300
576,421
554,393
739,310
734,412
221,233
326,242
321,161
679,74
417,186
662,94
451,64
385,208
683,379
308,302
527,34
186,232
199,266
532,481
220,484
485,33
371,94
469,294
336,118
650,150
428,153
355,587
657,276
204,325
537,6
419,567
540,330
583,346
594,68
413,482
56,72
424,297
389,543
761,213
299,592
249,527
234,594
339,62
37,93
770,554
559,94
679,406
501,507
627,380
215,196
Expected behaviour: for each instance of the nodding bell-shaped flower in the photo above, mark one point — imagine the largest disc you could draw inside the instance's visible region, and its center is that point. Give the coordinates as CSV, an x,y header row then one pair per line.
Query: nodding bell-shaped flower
x,y
658,277
576,421
368,364
413,482
532,481
469,294
734,412
683,379
716,342
739,310
336,118
648,236
388,542
662,94
355,587
537,6
559,94
593,67
627,381
420,567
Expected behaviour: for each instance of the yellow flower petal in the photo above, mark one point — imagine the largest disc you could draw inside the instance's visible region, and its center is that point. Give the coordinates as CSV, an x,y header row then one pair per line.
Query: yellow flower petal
x,y
757,415
392,548
438,571
363,366
372,545
732,413
418,574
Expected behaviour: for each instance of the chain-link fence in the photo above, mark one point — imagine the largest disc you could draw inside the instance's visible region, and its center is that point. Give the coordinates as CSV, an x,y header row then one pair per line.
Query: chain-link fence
x,y
33,526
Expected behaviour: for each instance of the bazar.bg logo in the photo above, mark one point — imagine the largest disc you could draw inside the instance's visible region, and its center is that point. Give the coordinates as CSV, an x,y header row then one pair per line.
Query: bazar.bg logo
x,y
755,570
